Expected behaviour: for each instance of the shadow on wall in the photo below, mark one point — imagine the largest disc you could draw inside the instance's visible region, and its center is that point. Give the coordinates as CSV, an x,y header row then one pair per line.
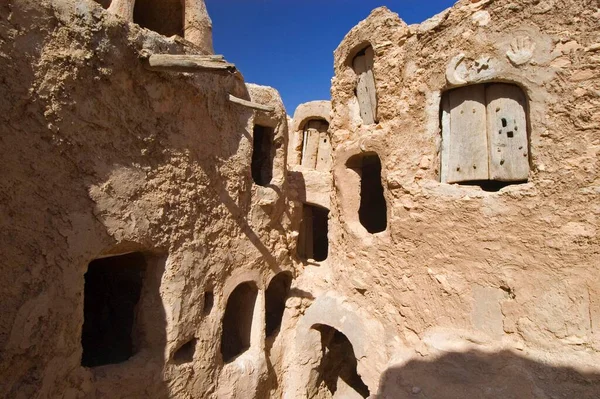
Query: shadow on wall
x,y
477,374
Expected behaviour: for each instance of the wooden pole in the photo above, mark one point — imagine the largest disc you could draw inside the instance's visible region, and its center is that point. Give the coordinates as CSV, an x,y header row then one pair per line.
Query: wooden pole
x,y
188,63
250,104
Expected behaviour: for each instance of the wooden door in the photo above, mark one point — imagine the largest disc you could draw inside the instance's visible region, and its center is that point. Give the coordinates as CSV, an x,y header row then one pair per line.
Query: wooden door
x,y
324,153
366,93
310,146
507,133
467,158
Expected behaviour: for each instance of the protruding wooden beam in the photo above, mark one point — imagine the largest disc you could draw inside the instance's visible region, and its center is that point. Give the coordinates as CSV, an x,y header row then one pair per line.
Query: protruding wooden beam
x,y
122,8
250,104
188,63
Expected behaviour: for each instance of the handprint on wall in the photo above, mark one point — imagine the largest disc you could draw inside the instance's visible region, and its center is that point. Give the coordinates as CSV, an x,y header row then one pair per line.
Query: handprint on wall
x,y
521,50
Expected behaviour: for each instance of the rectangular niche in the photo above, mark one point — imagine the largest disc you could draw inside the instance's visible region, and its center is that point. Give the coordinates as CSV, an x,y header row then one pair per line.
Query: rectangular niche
x,y
262,155
165,17
366,93
484,134
372,212
112,290
316,148
312,240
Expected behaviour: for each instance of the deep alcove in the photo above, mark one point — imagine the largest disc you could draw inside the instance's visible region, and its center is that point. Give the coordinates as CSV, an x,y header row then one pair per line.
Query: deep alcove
x,y
312,239
372,212
237,321
112,290
262,155
162,16
275,297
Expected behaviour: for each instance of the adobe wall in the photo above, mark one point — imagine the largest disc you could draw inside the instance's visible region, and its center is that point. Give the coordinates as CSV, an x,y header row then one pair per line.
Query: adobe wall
x,y
103,157
481,293
466,292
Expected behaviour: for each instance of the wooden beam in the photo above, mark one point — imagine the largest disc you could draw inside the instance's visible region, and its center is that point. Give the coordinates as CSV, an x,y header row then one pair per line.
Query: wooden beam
x,y
188,63
250,104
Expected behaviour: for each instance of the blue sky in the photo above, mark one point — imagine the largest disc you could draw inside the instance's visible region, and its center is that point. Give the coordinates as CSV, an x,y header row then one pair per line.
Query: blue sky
x,y
289,44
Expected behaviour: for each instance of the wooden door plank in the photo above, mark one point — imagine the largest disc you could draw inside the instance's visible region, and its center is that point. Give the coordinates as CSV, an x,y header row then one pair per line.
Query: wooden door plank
x,y
445,147
468,149
370,80
362,91
311,136
324,154
507,133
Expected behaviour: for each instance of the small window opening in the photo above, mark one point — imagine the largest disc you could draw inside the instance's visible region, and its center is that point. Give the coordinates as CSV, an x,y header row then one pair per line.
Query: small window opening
x,y
209,301
312,239
237,321
162,16
275,298
185,353
338,368
365,90
104,3
372,212
111,293
262,155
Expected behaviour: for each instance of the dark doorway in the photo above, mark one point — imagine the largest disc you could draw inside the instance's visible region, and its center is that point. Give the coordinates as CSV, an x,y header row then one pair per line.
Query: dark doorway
x,y
372,212
275,298
162,16
312,240
111,293
262,155
237,321
339,364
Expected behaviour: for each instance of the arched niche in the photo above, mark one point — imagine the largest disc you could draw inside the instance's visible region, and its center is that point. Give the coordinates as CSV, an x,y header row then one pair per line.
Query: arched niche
x,y
237,321
337,370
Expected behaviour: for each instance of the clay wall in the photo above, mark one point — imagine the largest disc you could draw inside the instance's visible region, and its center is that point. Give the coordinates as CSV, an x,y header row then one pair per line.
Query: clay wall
x,y
478,282
104,158
457,265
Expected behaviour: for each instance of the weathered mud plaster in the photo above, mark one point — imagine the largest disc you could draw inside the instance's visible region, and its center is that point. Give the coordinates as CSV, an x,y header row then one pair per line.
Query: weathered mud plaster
x,y
197,24
151,162
465,293
500,265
